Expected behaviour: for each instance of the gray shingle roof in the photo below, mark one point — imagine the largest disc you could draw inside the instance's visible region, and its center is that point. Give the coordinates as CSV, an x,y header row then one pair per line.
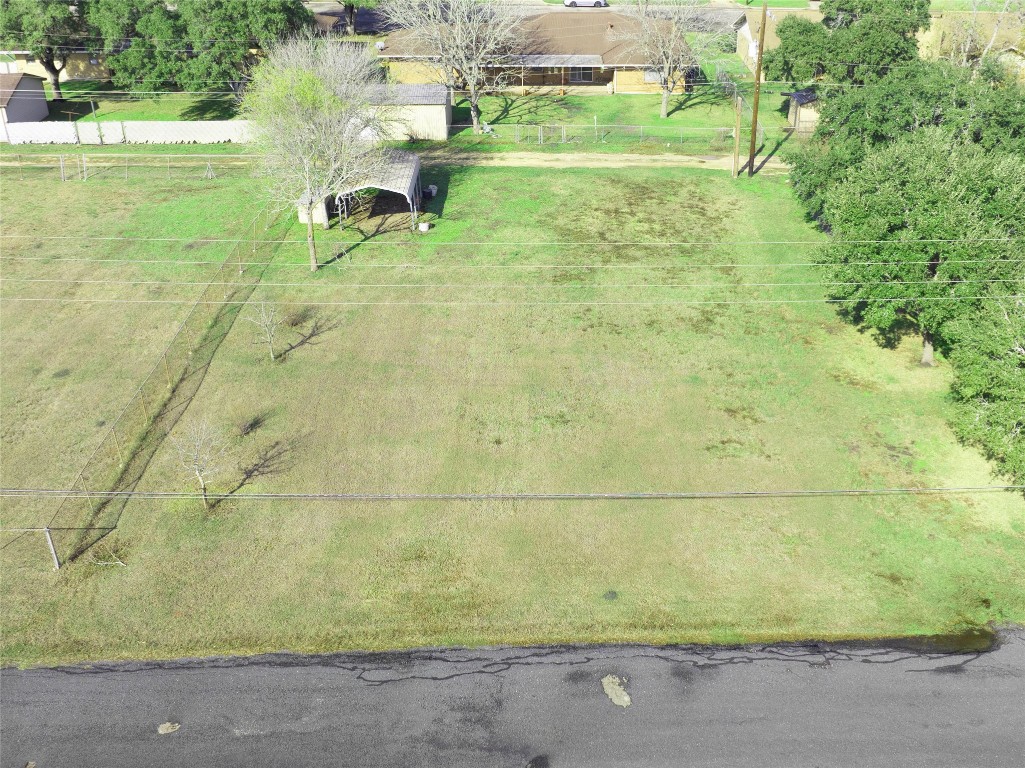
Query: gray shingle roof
x,y
404,94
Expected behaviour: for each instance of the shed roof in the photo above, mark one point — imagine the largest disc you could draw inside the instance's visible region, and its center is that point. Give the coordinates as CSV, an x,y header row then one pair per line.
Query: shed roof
x,y
9,84
398,174
404,94
804,96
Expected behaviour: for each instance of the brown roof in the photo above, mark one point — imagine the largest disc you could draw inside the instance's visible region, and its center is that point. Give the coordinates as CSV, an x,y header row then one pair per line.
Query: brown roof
x,y
596,33
9,84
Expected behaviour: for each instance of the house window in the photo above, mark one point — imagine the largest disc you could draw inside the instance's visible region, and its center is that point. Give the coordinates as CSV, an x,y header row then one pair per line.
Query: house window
x,y
651,76
581,75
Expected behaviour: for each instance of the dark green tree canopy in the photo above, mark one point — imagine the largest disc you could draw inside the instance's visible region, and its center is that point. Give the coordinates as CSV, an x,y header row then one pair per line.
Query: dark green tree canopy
x,y
50,29
197,45
920,95
922,229
988,356
858,41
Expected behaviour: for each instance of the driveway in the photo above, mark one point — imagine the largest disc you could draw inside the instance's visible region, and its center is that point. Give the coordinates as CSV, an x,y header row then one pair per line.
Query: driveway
x,y
795,705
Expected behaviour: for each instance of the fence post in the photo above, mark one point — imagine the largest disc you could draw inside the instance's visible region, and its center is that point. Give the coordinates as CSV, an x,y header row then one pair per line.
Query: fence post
x,y
168,168
145,408
564,134
85,169
126,167
53,552
63,176
167,373
642,131
117,444
540,135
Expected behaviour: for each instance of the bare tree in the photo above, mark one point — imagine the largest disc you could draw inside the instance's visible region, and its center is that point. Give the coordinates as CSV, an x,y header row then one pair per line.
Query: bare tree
x,y
268,321
673,39
473,42
967,40
314,127
200,450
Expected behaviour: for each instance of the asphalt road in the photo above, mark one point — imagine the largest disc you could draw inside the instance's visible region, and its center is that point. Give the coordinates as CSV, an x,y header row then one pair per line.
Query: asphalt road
x,y
544,708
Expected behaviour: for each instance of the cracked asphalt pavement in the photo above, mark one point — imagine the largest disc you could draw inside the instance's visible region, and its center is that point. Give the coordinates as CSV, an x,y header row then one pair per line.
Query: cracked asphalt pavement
x,y
787,705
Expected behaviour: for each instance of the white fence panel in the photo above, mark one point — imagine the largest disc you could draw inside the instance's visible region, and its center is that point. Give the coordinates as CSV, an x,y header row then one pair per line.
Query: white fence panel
x,y
89,133
131,132
113,132
42,133
185,132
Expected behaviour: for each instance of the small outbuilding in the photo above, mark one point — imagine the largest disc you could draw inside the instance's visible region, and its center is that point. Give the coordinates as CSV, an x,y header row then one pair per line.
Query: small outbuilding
x,y
804,111
22,100
400,174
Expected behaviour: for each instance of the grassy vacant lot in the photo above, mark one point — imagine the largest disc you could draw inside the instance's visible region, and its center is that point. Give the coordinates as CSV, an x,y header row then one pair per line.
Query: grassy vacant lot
x,y
111,102
704,108
544,337
68,368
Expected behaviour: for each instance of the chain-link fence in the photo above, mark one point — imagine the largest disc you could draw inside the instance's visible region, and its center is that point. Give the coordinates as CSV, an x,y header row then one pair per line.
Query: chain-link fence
x,y
82,166
118,463
698,141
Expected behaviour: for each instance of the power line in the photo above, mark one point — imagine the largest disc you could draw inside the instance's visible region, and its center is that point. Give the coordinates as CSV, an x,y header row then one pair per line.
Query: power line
x,y
347,266
541,496
681,302
513,286
477,243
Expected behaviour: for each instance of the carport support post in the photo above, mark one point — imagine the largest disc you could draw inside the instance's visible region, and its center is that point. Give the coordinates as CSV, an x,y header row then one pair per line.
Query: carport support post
x,y
53,551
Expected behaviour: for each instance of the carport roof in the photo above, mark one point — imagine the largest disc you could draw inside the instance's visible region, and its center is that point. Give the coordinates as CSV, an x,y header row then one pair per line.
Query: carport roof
x,y
398,174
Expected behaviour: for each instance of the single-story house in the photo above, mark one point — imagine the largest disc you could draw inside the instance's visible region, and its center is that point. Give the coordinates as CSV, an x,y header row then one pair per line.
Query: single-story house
x,y
749,26
581,51
81,65
804,111
22,100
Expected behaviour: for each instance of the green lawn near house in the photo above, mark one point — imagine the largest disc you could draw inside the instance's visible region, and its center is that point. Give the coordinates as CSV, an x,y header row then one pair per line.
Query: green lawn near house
x,y
704,109
558,330
86,99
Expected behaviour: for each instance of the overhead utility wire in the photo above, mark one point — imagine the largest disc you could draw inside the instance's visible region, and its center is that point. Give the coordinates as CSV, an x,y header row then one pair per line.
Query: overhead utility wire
x,y
649,243
541,496
56,260
668,302
500,286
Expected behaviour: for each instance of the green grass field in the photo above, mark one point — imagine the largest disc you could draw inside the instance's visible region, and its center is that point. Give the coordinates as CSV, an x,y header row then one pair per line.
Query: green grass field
x,y
547,335
89,99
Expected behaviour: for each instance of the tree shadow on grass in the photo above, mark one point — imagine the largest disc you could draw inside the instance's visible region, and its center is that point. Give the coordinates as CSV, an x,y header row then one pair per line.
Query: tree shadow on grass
x,y
214,107
696,98
273,459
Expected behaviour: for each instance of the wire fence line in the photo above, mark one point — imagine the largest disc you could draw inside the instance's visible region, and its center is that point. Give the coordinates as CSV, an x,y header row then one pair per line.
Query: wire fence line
x,y
120,460
83,166
708,141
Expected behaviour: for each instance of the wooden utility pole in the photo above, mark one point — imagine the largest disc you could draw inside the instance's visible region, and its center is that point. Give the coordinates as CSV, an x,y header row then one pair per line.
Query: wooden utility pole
x,y
736,136
758,91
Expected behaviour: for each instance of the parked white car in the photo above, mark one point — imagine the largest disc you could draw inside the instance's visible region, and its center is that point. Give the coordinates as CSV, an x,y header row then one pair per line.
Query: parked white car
x,y
592,3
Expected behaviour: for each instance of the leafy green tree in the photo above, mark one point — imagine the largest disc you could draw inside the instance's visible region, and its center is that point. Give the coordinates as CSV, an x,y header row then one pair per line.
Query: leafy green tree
x,y
988,357
921,230
225,37
50,29
923,94
858,41
309,104
197,45
156,56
